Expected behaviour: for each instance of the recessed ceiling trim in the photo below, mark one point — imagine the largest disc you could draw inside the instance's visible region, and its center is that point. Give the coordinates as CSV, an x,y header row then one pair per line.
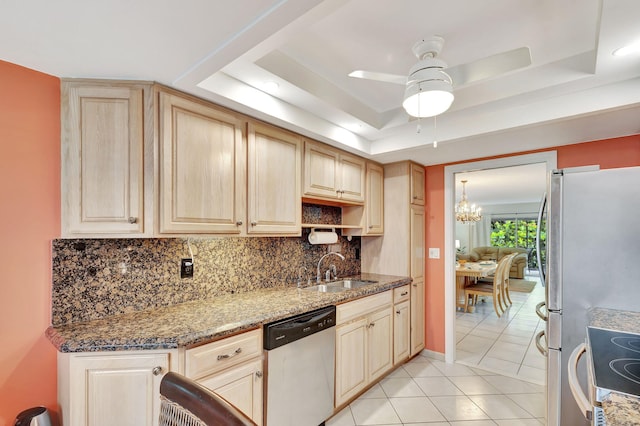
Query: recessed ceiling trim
x,y
285,67
284,114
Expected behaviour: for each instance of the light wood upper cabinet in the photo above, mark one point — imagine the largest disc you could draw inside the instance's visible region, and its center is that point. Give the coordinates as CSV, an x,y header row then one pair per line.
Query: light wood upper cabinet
x,y
332,174
369,219
417,184
202,167
274,181
374,203
102,159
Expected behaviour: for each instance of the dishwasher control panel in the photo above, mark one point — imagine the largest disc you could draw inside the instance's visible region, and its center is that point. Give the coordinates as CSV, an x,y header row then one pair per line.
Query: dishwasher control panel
x,y
284,331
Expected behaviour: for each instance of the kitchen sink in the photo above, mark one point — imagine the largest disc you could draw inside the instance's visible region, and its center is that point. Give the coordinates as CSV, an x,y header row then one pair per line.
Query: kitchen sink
x,y
338,286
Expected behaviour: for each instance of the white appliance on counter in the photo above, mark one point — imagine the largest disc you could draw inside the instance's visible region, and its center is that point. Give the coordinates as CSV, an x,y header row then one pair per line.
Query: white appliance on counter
x,y
592,251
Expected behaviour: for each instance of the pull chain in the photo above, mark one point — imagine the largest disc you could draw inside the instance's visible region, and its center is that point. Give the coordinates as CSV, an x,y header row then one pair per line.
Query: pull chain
x,y
435,141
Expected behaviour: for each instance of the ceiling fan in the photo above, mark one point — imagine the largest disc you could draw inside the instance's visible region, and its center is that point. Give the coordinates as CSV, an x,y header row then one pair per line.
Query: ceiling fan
x,y
429,86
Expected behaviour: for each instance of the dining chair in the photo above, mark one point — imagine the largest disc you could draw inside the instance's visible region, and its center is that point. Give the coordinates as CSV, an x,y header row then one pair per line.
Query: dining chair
x,y
493,289
506,296
183,402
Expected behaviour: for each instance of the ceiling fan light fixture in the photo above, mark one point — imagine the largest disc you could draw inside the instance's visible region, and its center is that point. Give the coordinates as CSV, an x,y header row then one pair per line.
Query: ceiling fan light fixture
x,y
427,98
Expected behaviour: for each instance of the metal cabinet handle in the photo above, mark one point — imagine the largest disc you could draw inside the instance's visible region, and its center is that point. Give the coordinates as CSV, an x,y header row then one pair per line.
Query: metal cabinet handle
x,y
371,325
415,285
133,219
254,223
226,356
544,351
239,223
404,293
156,371
398,312
259,374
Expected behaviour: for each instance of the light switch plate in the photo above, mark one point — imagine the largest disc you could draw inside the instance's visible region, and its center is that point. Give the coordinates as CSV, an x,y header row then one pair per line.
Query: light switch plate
x,y
434,253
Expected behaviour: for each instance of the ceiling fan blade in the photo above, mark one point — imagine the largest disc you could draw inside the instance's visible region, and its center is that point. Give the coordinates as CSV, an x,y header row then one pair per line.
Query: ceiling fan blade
x,y
379,76
490,66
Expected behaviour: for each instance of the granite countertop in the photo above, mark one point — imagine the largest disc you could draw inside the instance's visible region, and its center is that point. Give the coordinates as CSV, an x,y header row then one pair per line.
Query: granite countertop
x,y
197,322
619,409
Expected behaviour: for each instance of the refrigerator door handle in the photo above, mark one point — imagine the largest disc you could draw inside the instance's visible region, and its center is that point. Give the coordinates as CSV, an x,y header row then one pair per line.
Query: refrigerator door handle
x,y
582,401
543,317
542,349
543,206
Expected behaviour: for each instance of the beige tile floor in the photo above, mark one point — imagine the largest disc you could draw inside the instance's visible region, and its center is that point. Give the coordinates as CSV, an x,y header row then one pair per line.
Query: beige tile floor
x,y
503,345
428,392
501,383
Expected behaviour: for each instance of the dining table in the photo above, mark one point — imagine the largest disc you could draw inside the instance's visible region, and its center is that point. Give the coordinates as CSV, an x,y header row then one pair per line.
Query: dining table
x,y
467,273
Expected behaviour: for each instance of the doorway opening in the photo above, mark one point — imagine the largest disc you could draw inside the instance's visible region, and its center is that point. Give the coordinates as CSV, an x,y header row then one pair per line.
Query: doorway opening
x,y
497,348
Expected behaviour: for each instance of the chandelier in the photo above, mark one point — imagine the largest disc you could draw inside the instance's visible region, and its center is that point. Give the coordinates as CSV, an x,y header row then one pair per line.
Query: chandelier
x,y
465,212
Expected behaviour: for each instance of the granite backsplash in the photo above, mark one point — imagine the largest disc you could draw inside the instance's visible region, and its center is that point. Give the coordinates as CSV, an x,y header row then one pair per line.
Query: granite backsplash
x,y
97,278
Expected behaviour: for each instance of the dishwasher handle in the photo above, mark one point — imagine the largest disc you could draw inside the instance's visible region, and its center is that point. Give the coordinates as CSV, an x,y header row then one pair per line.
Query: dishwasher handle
x,y
288,330
582,401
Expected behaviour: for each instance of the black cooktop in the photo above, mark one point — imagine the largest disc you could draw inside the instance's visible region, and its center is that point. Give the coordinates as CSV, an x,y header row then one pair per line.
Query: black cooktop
x,y
616,360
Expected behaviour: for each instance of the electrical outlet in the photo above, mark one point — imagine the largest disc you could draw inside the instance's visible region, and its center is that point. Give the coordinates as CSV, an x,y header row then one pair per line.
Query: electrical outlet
x,y
186,268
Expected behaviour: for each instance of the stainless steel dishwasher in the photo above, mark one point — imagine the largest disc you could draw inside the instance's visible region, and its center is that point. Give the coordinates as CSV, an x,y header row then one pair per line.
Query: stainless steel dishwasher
x,y
300,354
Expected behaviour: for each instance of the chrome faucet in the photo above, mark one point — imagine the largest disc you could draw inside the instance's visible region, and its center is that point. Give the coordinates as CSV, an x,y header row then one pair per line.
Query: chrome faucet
x,y
318,275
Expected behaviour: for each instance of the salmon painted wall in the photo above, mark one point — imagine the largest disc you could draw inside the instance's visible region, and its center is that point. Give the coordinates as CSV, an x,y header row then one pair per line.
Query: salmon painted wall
x,y
29,220
611,153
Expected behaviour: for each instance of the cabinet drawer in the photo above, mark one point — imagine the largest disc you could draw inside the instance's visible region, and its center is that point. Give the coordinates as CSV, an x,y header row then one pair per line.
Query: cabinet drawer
x,y
357,308
215,356
401,293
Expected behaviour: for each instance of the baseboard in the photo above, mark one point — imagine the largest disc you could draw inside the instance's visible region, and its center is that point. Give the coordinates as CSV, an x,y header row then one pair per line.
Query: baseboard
x,y
438,356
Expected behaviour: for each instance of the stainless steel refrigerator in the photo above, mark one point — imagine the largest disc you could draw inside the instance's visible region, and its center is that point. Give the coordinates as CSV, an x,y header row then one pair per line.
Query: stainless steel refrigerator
x,y
592,256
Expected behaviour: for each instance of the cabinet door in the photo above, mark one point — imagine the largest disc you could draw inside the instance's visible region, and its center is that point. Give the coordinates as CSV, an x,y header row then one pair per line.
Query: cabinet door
x,y
351,360
380,343
417,184
102,160
417,317
202,168
122,390
352,182
374,201
274,168
321,171
417,242
241,386
401,330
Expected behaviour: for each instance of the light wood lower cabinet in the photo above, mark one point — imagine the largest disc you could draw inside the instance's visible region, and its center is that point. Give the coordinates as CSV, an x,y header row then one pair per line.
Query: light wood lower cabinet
x,y
111,388
417,317
401,324
241,386
364,344
231,367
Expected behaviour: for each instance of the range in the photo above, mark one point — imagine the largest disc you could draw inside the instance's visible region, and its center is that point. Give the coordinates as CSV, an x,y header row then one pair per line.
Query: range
x,y
615,362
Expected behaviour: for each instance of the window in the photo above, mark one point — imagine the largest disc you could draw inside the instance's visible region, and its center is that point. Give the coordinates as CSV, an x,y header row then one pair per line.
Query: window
x,y
517,232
